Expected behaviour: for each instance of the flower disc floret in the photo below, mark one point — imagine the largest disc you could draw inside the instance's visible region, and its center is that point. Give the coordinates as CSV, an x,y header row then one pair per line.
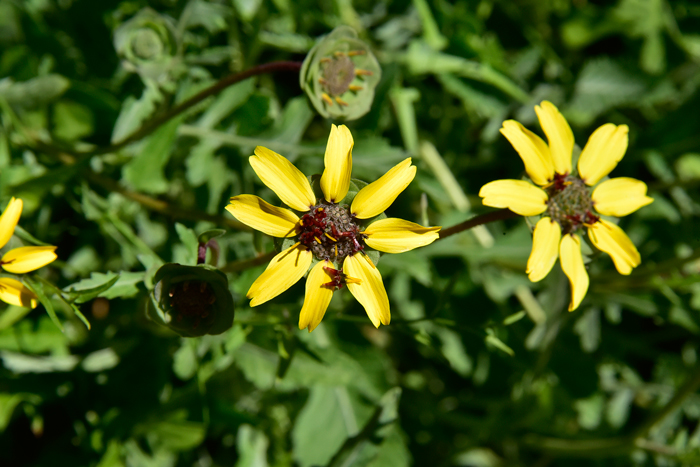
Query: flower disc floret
x,y
569,203
330,232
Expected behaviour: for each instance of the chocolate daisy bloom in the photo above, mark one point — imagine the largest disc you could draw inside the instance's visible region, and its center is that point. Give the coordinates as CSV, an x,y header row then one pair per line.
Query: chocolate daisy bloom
x,y
19,260
334,232
569,200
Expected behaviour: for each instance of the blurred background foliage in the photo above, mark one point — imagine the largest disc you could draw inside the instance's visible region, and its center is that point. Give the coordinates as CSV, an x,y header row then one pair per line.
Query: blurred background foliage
x,y
479,367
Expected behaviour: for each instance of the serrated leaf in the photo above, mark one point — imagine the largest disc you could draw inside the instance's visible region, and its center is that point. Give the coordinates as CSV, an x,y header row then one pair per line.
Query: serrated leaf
x,y
134,113
123,287
602,85
145,171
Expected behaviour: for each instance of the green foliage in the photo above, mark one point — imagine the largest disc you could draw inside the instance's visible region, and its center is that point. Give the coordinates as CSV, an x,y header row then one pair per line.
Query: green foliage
x,y
123,134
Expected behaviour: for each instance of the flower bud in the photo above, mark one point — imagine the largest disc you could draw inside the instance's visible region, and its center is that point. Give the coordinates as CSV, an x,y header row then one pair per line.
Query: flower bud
x,y
147,45
192,300
339,75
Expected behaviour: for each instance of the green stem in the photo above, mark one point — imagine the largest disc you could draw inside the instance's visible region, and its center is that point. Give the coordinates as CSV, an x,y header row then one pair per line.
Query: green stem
x,y
476,221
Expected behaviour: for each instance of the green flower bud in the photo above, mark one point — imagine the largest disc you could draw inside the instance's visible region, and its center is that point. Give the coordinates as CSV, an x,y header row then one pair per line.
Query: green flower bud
x,y
147,45
339,75
192,300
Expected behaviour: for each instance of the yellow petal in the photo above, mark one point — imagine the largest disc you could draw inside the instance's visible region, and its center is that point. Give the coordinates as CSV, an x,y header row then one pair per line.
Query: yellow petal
x,y
370,290
620,196
545,249
9,219
15,293
393,235
261,215
611,239
282,177
335,180
376,197
572,264
559,136
28,258
533,151
604,149
284,271
519,196
317,296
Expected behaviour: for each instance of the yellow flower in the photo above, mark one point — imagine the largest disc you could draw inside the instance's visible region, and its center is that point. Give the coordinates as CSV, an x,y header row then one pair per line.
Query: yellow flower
x,y
329,232
565,198
19,260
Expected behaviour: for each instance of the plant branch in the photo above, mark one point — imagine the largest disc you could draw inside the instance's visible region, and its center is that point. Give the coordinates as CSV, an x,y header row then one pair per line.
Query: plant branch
x,y
244,264
156,122
481,219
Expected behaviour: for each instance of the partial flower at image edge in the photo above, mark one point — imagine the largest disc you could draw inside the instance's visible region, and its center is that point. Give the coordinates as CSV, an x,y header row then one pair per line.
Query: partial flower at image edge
x,y
19,260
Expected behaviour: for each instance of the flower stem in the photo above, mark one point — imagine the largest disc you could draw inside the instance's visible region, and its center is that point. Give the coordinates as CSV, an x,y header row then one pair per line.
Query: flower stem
x,y
215,88
244,264
481,219
199,97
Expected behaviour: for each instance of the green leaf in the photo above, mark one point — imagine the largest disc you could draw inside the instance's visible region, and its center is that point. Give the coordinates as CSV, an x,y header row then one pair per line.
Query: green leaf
x,y
134,113
185,361
82,295
204,237
19,363
8,403
247,8
187,252
331,414
175,434
590,411
112,456
100,360
454,351
125,285
36,92
38,288
11,315
72,121
252,447
362,448
224,104
602,85
498,343
145,171
588,329
211,16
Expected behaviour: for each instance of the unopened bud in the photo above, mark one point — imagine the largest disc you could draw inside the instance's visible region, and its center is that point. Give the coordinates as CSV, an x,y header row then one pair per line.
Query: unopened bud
x,y
340,74
192,300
